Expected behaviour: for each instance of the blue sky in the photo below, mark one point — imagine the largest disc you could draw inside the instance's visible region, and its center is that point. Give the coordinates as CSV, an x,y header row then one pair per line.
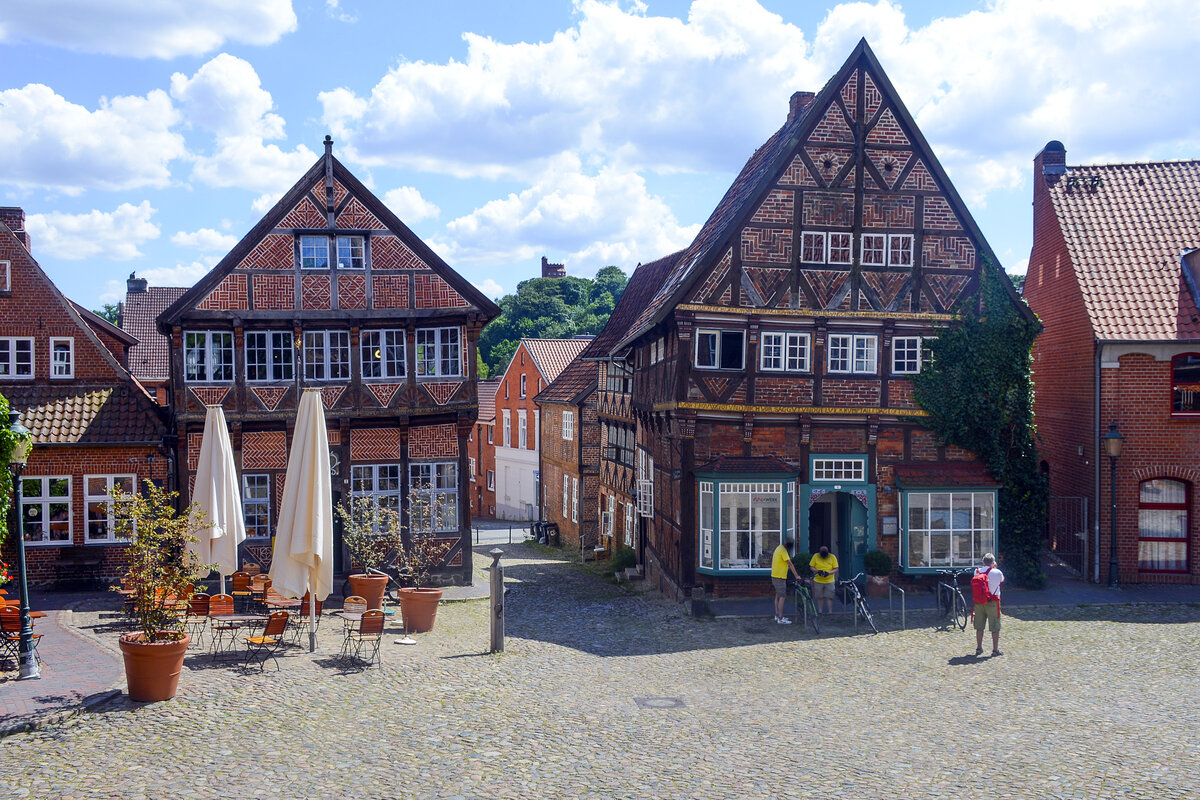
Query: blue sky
x,y
150,135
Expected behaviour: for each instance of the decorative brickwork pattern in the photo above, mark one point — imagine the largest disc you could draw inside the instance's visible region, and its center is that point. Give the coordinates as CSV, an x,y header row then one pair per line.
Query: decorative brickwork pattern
x,y
766,281
785,300
948,251
825,284
329,397
441,392
275,251
274,292
270,396
850,92
339,194
375,444
832,127
767,244
884,288
430,291
797,174
828,208
776,207
456,560
261,553
872,99
888,211
389,252
230,295
946,288
264,450
211,395
316,293
717,276
355,215
352,291
714,388
304,215
829,163
280,477
432,441
726,297
889,164
389,291
939,215
887,131
335,436
193,450
920,179
384,392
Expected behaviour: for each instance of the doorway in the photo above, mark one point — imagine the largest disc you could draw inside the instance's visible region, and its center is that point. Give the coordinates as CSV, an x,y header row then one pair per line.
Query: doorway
x,y
838,520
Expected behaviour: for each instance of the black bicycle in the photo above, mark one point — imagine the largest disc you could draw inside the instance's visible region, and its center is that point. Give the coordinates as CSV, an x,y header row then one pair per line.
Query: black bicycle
x,y
950,600
852,595
805,605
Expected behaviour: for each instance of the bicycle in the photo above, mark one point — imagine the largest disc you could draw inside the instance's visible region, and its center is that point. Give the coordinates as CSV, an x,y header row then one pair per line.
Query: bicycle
x,y
852,595
805,605
950,600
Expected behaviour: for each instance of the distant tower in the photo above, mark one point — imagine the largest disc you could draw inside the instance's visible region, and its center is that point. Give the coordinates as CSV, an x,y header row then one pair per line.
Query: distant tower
x,y
553,270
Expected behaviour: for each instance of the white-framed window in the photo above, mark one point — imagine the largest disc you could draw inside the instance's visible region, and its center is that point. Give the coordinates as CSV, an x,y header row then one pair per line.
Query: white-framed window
x,y
5,276
568,426
839,470
522,433
574,500
853,353
208,356
707,515
491,483
784,352
566,495
491,433
609,520
100,525
16,357
718,349
839,248
62,357
506,414
906,355
269,356
629,524
327,355
256,505
314,252
382,353
471,467
380,482
874,249
949,528
433,496
351,252
537,430
741,523
46,509
812,247
900,250
438,353
522,395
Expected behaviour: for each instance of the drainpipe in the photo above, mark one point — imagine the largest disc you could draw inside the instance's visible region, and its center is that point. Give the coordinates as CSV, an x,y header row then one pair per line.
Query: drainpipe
x,y
1095,542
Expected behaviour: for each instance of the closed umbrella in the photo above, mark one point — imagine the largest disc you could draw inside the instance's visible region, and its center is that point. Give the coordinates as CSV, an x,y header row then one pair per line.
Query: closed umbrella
x,y
217,495
303,556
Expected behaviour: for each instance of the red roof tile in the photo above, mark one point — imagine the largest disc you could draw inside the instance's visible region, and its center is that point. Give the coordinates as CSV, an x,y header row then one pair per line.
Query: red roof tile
x,y
643,285
150,358
747,465
486,391
551,356
73,414
576,381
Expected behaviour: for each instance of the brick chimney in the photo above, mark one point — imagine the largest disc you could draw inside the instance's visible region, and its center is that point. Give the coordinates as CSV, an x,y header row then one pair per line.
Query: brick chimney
x,y
1051,162
799,102
135,285
14,218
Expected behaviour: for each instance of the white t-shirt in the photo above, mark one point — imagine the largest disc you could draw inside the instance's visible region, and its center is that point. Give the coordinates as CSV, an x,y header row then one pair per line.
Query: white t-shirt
x,y
995,578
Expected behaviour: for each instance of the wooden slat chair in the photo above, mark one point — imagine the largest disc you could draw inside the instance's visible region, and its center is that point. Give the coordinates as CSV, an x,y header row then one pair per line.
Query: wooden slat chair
x,y
367,633
10,634
299,617
268,645
241,591
259,584
220,632
353,605
196,617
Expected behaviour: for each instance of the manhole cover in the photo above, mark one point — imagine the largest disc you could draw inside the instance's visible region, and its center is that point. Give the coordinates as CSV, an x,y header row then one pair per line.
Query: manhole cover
x,y
658,702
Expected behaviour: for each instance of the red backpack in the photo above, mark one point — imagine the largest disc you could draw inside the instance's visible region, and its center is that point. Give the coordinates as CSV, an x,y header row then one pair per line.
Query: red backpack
x,y
980,589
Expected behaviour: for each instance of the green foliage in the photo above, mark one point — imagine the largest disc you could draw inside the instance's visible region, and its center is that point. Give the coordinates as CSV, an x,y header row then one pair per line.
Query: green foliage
x,y
623,559
800,562
370,531
550,308
481,368
1018,281
8,441
108,312
978,391
877,562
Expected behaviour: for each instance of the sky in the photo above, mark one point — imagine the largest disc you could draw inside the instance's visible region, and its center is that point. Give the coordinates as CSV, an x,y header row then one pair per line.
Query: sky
x,y
149,136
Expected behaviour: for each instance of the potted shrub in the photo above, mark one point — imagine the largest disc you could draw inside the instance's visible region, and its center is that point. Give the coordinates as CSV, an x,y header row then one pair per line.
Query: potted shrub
x,y
162,571
878,566
372,534
418,553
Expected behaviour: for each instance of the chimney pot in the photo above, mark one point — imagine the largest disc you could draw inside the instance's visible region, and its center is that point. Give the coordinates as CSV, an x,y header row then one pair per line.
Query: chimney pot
x,y
1054,160
14,218
799,102
136,285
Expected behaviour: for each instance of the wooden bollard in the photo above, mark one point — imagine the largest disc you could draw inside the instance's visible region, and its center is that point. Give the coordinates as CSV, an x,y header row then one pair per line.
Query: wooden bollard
x,y
497,591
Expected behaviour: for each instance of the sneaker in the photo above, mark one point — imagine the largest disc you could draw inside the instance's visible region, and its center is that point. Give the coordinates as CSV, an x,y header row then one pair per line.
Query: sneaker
x,y
777,619
978,651
784,621
997,653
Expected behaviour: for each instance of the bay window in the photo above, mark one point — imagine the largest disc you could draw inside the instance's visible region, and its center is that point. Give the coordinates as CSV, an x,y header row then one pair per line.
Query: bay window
x,y
948,529
742,521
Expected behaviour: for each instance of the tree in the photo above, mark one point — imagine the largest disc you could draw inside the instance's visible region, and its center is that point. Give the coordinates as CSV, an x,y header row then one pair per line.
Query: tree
x,y
108,312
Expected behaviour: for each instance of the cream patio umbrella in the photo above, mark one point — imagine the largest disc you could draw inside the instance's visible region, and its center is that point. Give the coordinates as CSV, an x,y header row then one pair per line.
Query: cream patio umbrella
x,y
303,556
217,495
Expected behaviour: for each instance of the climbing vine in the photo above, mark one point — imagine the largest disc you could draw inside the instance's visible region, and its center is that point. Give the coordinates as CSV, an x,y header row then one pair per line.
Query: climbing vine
x,y
7,441
978,391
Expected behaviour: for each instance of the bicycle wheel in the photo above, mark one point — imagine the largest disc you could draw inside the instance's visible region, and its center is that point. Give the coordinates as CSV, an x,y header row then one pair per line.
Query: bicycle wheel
x,y
865,611
811,612
960,611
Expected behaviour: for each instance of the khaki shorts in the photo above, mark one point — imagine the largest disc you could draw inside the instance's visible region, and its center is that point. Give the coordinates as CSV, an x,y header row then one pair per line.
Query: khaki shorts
x,y
780,585
822,591
987,614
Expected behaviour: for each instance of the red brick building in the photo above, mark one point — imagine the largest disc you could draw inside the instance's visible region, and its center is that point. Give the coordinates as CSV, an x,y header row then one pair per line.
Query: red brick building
x,y
569,460
137,315
1114,276
482,458
772,366
94,427
331,289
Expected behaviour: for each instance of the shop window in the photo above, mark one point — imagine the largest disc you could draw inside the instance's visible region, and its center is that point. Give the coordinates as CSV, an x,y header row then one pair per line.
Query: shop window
x,y
948,529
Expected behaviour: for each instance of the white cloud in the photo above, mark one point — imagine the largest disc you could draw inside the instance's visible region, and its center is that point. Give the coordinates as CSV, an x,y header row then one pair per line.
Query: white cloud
x,y
97,234
408,204
205,239
178,275
333,8
490,289
144,29
50,142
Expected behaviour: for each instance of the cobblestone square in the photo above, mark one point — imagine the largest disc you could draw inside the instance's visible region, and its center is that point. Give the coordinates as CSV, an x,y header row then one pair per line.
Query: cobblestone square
x,y
605,693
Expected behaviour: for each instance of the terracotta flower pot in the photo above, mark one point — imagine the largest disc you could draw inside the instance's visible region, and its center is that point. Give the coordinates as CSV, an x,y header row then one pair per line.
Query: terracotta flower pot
x,y
419,607
152,668
369,588
877,586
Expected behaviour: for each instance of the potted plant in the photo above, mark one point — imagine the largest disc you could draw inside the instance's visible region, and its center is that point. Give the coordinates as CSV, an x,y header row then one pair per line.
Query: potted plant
x,y
161,571
418,553
878,566
371,533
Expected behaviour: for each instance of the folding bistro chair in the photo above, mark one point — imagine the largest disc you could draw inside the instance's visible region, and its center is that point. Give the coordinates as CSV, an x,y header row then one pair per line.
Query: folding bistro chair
x,y
220,631
260,648
299,617
241,589
10,634
196,617
368,632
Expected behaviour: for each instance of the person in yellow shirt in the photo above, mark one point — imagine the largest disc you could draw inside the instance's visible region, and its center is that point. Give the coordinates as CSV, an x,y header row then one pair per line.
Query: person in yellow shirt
x,y
781,562
824,566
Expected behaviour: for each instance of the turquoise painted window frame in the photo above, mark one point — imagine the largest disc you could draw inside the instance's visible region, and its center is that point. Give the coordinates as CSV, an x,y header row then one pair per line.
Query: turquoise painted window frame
x,y
824,486
790,482
905,531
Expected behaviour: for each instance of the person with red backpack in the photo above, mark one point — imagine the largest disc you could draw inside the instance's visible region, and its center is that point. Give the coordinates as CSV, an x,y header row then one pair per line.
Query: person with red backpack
x,y
985,587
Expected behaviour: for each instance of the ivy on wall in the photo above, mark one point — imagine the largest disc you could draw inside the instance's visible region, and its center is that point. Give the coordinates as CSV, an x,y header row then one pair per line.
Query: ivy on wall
x,y
978,392
7,441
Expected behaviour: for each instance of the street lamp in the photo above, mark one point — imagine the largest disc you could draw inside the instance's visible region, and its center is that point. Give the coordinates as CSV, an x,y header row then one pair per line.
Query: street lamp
x,y
1113,441
22,442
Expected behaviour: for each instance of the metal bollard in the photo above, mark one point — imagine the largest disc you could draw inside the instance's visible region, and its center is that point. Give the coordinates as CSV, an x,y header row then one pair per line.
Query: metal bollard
x,y
510,534
497,592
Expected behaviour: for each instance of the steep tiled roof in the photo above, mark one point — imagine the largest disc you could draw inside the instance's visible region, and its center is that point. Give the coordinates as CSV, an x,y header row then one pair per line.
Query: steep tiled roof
x,y
642,286
102,326
1125,233
487,400
86,414
150,358
551,356
573,384
747,465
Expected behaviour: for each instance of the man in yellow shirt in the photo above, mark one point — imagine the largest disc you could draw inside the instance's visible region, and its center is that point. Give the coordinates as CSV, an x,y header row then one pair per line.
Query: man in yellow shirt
x,y
781,562
824,566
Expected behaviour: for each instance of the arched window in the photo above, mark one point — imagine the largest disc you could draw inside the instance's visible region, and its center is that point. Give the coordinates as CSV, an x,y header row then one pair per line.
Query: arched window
x,y
1163,526
1185,384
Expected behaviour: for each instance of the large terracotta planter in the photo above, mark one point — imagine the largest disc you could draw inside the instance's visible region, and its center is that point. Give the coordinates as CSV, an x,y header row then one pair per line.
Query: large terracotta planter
x,y
877,586
152,669
369,588
419,607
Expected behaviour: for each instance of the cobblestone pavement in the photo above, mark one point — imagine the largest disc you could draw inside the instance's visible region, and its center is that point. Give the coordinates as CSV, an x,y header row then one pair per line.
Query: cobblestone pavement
x,y
603,693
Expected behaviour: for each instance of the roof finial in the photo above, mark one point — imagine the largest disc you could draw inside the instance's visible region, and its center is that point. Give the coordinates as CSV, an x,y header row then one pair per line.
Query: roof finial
x,y
328,145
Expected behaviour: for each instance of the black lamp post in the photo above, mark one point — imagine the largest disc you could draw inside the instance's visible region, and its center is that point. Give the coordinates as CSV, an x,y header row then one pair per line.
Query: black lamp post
x,y
1113,441
16,465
